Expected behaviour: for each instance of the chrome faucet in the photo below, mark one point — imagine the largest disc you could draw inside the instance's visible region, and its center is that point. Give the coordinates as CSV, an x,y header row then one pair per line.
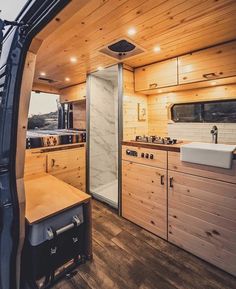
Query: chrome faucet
x,y
214,133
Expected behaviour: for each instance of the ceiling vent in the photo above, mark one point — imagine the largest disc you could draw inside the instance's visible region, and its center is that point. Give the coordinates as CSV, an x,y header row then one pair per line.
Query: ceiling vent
x,y
47,80
122,49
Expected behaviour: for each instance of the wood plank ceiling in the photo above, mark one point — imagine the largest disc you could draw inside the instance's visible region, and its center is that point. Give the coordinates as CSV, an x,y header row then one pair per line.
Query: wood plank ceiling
x,y
177,27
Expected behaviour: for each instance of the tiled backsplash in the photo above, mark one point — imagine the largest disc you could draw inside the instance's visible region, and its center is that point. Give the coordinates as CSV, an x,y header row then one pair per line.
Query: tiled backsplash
x,y
201,131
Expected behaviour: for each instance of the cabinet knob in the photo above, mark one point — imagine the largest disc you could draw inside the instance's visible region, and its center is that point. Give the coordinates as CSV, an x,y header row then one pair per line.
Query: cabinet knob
x,y
171,182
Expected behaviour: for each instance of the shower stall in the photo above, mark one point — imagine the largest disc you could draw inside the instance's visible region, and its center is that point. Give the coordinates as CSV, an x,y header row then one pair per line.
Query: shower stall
x,y
103,135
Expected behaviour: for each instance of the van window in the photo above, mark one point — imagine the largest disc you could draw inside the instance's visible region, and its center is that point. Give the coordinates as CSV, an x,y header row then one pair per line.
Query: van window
x,y
43,111
213,111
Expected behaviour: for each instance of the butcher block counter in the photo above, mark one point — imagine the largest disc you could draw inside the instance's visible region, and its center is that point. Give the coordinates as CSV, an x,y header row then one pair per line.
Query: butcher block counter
x,y
171,148
190,205
46,196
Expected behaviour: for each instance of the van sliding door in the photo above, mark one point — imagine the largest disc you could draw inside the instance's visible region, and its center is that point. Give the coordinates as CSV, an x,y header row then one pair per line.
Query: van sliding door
x,y
15,44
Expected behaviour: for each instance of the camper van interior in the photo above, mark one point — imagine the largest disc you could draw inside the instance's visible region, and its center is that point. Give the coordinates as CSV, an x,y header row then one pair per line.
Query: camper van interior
x,y
127,137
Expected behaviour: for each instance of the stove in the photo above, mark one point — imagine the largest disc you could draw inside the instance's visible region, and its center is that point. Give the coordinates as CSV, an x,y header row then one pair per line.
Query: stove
x,y
156,140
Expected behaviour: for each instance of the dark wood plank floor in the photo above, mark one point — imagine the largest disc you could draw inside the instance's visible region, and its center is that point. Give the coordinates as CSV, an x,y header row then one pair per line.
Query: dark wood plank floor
x,y
128,257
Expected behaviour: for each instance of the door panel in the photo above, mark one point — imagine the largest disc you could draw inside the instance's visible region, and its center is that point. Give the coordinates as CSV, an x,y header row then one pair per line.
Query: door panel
x,y
202,218
144,197
207,64
156,75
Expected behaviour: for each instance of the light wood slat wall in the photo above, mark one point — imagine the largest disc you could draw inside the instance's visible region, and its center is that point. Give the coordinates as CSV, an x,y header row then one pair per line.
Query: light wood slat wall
x,y
132,126
158,105
79,115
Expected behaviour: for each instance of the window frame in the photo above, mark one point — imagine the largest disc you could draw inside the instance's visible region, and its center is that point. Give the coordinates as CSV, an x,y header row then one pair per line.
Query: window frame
x,y
202,110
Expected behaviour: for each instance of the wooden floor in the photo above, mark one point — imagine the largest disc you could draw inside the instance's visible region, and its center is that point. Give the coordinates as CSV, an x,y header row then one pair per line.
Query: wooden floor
x,y
126,256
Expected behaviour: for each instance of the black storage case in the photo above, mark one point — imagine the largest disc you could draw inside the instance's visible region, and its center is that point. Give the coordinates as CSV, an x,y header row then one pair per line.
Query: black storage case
x,y
65,241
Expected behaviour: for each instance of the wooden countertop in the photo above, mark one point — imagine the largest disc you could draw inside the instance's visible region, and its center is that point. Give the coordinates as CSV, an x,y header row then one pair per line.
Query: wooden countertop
x,y
56,148
46,196
172,148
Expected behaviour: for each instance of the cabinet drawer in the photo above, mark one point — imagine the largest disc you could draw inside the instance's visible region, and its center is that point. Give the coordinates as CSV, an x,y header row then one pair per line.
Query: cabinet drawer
x,y
144,197
175,164
159,157
202,218
212,63
69,166
156,75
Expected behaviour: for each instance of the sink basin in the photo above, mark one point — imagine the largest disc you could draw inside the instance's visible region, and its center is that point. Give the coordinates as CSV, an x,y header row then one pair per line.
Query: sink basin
x,y
216,155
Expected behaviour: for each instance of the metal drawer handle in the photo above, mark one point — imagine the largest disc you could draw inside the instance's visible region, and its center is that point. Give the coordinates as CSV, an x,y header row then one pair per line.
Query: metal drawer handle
x,y
209,75
52,163
152,85
75,223
171,182
162,180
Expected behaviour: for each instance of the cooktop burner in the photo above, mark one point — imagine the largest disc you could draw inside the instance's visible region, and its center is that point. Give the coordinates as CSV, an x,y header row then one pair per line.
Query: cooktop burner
x,y
156,139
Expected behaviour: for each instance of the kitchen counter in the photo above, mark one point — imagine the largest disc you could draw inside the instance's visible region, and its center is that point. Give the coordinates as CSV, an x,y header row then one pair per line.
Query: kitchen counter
x,y
47,196
171,148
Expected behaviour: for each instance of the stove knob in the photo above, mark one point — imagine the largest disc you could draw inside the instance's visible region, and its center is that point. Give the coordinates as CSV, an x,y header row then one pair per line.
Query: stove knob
x,y
151,156
147,156
142,155
128,152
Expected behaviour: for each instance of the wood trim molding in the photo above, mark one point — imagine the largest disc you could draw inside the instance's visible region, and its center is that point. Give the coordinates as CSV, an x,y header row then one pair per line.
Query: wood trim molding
x,y
26,87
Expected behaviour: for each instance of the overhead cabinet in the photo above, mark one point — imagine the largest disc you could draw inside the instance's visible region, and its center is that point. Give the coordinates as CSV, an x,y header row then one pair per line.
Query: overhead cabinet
x,y
157,75
73,93
212,63
217,62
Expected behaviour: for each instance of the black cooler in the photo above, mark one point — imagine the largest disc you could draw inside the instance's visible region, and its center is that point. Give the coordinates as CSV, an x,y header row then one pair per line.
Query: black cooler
x,y
51,245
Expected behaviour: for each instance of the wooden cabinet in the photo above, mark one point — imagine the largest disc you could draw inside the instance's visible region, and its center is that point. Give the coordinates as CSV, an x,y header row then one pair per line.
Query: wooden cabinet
x,y
175,164
144,197
202,218
73,93
159,158
69,166
211,63
156,75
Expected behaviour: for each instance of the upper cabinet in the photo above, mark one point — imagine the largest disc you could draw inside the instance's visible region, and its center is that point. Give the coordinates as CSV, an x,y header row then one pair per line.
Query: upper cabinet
x,y
73,93
156,75
207,64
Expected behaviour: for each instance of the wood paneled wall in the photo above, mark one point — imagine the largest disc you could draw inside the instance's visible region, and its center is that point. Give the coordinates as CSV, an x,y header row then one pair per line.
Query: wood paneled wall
x,y
158,105
79,114
132,126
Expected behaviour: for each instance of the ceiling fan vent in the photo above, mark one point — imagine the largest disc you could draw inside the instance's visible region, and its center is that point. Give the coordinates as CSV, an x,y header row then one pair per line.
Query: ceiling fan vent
x,y
47,80
121,49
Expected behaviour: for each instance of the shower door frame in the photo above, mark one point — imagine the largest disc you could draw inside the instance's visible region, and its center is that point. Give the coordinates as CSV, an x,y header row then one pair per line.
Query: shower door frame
x,y
120,132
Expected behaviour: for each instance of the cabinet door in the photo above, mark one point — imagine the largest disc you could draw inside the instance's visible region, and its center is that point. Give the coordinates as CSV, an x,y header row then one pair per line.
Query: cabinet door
x,y
156,75
202,218
212,63
144,197
73,93
69,166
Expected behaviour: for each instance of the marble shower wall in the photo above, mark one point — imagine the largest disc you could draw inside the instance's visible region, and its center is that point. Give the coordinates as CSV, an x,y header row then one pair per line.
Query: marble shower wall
x,y
103,132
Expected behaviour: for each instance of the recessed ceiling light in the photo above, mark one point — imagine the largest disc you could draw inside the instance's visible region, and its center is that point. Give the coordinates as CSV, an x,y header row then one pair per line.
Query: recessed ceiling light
x,y
157,49
67,79
100,68
43,73
213,83
132,31
73,59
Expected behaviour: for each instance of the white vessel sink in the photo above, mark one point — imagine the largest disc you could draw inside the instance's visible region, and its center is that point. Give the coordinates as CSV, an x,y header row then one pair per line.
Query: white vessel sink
x,y
216,155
